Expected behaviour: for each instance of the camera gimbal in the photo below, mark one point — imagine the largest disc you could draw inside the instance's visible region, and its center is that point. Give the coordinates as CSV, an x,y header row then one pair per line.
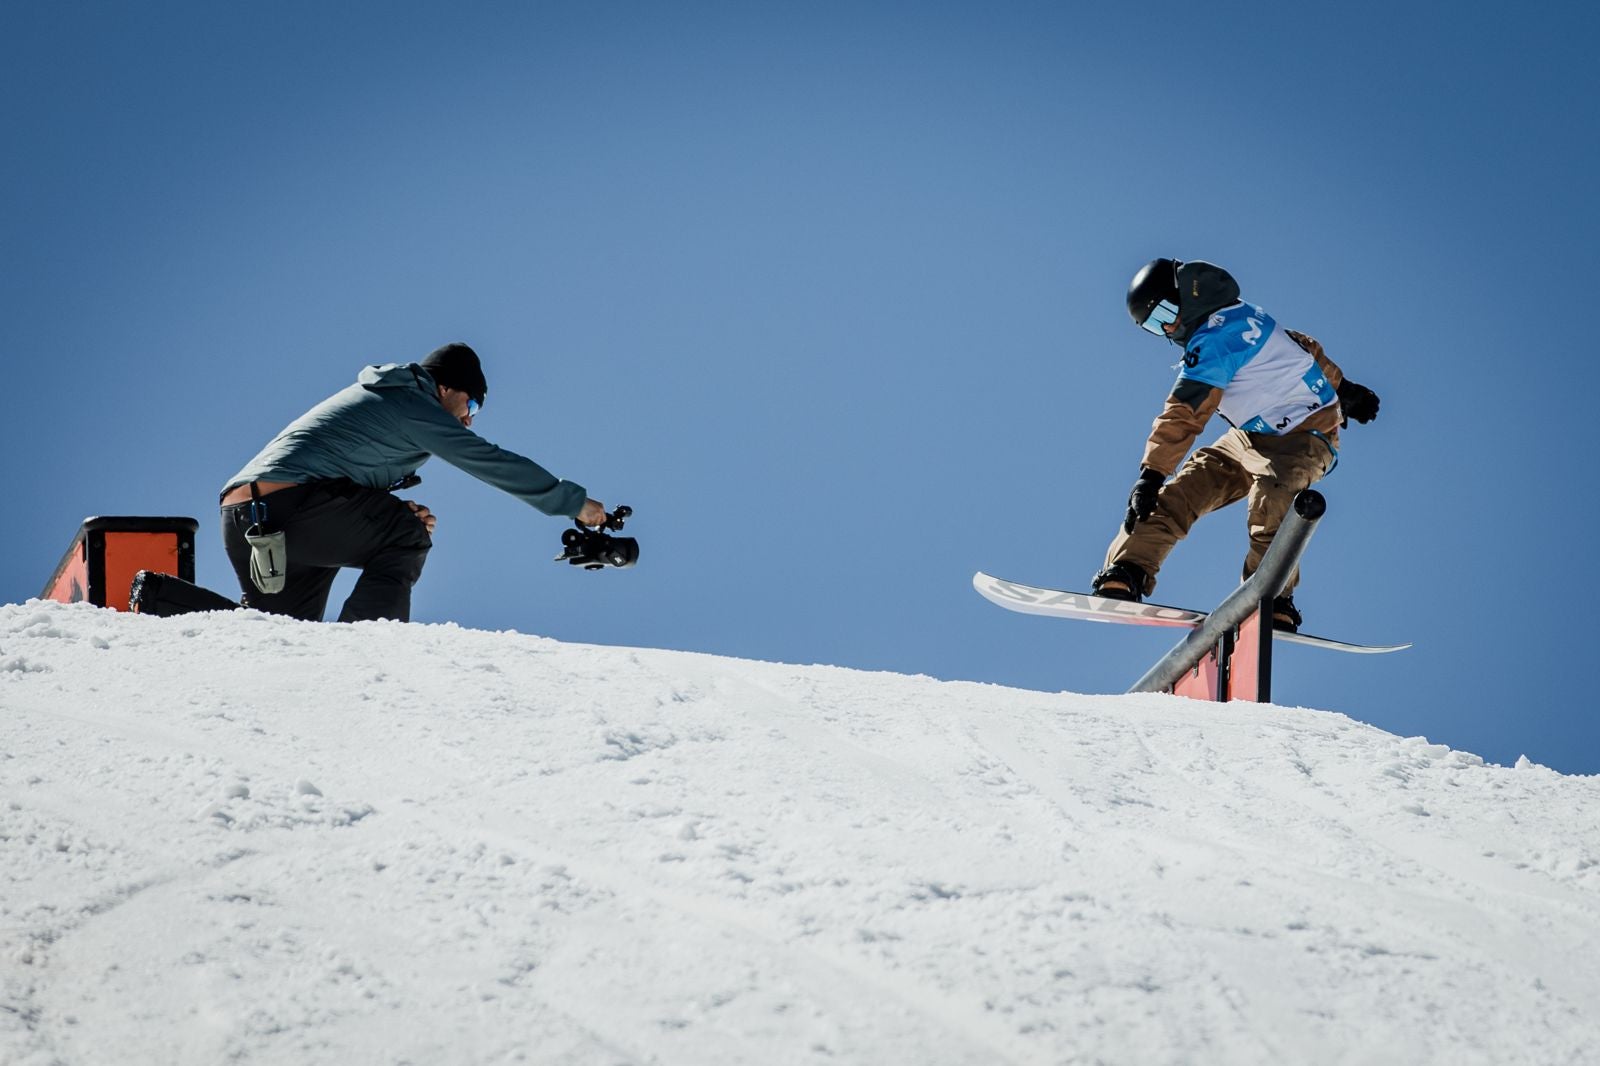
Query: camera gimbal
x,y
594,549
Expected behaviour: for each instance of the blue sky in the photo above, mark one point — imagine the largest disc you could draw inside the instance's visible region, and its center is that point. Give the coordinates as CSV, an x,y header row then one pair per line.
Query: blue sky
x,y
832,295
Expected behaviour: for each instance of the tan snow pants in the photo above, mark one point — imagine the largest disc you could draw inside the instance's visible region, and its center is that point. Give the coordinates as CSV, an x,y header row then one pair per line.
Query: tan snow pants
x,y
1266,470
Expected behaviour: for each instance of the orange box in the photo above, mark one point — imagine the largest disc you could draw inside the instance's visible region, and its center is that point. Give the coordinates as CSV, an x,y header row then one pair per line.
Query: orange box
x,y
108,551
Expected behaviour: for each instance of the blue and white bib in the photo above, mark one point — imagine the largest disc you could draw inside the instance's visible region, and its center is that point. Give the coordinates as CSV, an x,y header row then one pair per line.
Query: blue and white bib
x,y
1269,383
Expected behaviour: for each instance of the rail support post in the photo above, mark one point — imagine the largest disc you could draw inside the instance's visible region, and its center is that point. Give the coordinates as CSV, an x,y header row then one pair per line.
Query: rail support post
x,y
1229,655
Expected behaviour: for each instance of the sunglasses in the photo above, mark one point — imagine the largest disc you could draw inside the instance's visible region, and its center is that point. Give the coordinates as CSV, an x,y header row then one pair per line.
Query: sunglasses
x,y
1164,313
473,407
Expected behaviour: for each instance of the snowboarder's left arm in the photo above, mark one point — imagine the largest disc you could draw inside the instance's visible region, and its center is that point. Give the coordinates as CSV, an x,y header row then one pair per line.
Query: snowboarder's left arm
x,y
1313,347
1356,401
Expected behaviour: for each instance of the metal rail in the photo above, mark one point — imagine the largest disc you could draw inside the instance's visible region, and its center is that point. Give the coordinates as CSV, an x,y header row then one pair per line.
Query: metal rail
x,y
1282,556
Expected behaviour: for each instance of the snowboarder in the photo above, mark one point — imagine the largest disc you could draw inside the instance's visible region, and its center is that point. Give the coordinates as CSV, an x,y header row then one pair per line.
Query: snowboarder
x,y
323,487
1285,399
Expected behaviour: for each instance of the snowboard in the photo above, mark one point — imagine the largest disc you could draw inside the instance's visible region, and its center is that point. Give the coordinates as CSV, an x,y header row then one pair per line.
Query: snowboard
x,y
1058,604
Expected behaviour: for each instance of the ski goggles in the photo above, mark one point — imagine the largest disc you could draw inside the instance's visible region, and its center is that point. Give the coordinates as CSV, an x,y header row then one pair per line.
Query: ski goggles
x,y
1162,314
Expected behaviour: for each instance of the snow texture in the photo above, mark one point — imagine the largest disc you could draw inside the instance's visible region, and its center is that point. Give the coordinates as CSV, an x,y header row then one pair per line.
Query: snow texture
x,y
236,838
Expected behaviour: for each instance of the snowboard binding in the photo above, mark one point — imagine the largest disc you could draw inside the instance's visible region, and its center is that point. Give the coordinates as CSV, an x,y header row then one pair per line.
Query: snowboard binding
x,y
595,549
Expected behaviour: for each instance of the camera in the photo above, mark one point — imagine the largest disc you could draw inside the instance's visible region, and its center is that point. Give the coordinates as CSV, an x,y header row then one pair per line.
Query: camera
x,y
595,549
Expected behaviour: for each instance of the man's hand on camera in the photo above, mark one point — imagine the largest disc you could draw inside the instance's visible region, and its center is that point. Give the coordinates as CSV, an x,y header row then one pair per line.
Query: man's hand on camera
x,y
593,513
428,521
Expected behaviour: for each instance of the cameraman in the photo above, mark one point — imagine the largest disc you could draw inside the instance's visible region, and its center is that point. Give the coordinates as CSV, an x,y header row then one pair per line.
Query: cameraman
x,y
325,483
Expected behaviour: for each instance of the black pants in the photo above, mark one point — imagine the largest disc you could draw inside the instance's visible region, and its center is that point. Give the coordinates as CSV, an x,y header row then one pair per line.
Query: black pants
x,y
328,525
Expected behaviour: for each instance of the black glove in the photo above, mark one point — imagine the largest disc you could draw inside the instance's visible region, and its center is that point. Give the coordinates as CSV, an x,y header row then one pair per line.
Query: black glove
x,y
1142,500
1358,402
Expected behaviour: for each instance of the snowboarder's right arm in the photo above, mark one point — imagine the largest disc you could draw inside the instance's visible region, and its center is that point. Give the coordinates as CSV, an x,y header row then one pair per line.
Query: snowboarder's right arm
x,y
1188,409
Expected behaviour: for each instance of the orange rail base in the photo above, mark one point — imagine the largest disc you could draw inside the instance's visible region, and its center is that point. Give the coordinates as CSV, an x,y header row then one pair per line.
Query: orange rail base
x,y
108,551
1238,668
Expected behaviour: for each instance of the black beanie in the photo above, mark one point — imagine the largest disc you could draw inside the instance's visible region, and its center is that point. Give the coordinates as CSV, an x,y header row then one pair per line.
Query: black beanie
x,y
456,366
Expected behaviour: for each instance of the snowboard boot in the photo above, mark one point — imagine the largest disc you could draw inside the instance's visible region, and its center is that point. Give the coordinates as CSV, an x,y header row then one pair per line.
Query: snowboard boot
x,y
1120,581
1284,616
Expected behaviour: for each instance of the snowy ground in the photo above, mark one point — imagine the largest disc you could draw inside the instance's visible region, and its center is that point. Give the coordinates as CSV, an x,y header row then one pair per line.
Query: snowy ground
x,y
245,839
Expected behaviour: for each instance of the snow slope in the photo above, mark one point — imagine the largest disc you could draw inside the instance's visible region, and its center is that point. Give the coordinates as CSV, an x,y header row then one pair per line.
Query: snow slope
x,y
247,839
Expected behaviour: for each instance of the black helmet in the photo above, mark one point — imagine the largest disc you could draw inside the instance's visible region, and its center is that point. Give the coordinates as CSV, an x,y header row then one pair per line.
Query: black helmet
x,y
1155,284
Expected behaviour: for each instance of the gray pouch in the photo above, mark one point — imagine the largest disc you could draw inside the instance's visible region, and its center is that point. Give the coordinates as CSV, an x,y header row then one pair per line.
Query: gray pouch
x,y
269,559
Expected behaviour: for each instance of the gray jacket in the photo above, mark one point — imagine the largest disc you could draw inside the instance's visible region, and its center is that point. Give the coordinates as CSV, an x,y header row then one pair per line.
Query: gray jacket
x,y
383,428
